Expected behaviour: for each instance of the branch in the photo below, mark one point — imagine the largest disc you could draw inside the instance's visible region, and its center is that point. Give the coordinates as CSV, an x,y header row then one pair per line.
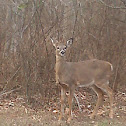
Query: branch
x,y
111,6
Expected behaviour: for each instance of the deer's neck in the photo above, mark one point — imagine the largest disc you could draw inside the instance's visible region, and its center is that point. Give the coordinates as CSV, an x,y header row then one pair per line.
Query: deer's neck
x,y
60,60
60,63
60,66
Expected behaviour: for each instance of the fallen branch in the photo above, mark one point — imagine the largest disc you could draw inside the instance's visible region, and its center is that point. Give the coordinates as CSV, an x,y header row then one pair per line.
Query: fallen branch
x,y
8,92
75,96
77,102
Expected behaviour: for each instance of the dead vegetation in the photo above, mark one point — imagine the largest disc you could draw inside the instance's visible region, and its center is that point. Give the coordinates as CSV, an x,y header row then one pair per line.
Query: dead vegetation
x,y
16,111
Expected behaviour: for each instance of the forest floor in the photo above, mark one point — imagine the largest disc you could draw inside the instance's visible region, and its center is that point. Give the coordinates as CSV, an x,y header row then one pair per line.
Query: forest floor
x,y
15,111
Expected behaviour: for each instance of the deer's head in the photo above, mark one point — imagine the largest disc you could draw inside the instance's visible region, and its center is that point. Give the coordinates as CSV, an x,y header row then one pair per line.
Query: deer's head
x,y
61,47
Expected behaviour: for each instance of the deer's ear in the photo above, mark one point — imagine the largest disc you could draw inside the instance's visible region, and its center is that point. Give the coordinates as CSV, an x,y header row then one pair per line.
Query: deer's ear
x,y
69,42
53,42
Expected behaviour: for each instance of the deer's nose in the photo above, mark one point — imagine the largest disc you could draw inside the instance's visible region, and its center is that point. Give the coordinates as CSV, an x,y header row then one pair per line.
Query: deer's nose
x,y
62,52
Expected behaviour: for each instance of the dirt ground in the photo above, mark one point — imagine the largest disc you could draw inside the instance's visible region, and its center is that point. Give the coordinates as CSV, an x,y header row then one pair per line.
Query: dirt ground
x,y
15,111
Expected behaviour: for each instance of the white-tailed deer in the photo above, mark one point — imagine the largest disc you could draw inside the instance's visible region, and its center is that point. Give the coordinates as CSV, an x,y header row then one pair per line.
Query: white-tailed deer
x,y
90,73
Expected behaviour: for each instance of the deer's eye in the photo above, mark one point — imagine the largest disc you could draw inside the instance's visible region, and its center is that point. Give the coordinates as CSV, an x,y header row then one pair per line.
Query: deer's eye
x,y
58,48
65,47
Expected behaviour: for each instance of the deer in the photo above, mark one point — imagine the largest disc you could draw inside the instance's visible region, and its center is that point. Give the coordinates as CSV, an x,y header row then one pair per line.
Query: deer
x,y
91,73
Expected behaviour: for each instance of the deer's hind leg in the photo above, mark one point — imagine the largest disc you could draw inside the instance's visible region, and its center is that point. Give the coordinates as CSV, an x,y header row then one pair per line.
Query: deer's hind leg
x,y
100,96
109,92
63,93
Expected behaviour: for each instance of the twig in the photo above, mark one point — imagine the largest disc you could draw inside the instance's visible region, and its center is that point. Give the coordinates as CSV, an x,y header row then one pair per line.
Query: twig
x,y
124,2
8,92
12,77
75,24
114,82
77,102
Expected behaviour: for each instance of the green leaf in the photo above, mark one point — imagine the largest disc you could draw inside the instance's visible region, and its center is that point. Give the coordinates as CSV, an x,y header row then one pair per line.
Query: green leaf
x,y
22,6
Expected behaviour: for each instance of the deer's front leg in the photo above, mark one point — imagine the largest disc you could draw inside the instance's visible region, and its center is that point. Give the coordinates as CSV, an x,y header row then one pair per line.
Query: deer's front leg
x,y
62,103
57,78
70,105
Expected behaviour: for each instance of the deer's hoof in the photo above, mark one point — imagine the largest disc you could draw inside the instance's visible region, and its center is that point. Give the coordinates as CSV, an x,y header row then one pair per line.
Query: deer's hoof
x,y
92,116
111,114
60,122
69,120
60,118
